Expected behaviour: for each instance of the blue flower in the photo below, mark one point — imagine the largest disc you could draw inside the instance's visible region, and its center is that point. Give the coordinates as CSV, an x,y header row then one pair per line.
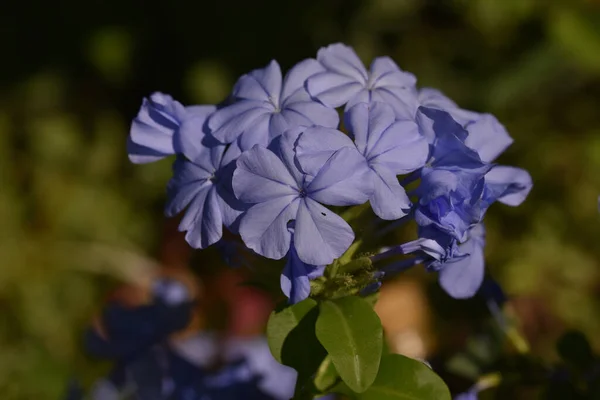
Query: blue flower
x,y
265,106
450,201
128,331
296,275
202,183
281,192
462,278
470,395
453,182
486,135
155,132
390,148
347,81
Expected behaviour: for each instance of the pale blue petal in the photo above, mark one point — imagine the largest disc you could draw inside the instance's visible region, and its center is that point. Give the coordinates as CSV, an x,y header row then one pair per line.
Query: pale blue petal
x,y
141,154
389,199
156,123
400,149
277,125
257,134
261,84
188,179
283,147
385,73
260,176
296,77
309,112
316,145
402,100
488,137
333,89
342,60
363,96
207,225
263,227
191,139
433,98
461,279
321,235
230,122
343,180
296,275
367,122
508,185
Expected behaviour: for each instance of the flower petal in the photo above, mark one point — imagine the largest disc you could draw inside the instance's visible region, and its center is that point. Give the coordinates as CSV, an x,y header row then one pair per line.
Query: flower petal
x,y
343,180
333,89
230,122
310,113
206,227
384,72
296,275
264,226
141,154
342,60
316,145
262,84
257,134
488,137
508,185
321,235
188,180
156,123
191,139
400,149
297,76
462,278
367,122
389,199
260,176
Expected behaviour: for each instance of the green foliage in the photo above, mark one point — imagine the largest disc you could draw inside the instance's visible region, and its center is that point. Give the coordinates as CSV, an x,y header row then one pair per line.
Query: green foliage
x,y
351,333
282,322
402,378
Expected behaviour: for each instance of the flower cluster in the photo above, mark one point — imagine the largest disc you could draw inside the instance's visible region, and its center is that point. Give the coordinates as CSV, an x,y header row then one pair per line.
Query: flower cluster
x,y
268,163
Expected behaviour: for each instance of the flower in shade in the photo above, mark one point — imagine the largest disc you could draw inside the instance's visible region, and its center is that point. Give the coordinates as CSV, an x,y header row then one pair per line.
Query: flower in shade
x,y
486,134
201,184
128,331
265,106
347,81
390,148
281,192
156,131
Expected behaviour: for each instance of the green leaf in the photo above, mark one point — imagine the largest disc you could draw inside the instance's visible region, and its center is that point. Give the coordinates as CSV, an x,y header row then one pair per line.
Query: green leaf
x,y
351,333
403,378
327,376
282,322
292,340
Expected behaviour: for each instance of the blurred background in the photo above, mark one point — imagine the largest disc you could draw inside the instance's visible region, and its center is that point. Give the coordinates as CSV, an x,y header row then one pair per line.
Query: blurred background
x,y
79,224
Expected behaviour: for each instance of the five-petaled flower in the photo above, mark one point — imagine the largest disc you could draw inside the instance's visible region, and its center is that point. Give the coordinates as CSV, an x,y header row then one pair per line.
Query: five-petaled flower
x,y
266,106
281,192
347,81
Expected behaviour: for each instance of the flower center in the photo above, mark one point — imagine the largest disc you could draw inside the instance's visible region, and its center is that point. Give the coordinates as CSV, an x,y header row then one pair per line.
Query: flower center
x,y
302,193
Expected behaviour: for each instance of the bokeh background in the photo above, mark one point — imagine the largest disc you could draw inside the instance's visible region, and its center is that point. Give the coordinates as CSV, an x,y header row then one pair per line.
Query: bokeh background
x,y
78,222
